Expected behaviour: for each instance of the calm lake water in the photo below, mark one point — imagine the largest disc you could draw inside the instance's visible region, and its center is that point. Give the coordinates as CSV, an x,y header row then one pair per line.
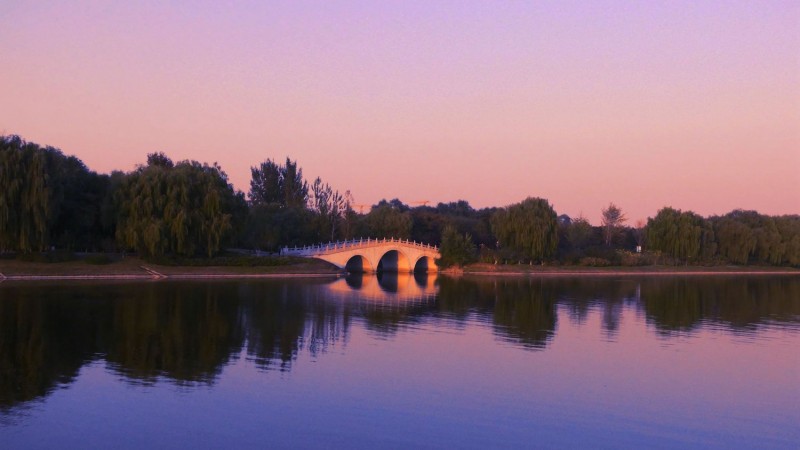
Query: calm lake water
x,y
398,362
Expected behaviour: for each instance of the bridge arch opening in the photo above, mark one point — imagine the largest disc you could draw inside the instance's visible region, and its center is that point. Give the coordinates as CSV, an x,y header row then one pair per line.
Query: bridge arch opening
x,y
425,264
394,261
358,264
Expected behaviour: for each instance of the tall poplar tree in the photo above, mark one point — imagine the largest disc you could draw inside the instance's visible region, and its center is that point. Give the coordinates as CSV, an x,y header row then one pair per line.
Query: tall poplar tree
x,y
274,184
612,221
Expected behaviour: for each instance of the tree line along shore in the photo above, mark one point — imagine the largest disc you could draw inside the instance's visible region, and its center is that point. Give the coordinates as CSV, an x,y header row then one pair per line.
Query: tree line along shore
x,y
53,208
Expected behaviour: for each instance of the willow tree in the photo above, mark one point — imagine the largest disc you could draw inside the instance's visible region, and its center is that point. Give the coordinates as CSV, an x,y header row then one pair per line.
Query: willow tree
x,y
25,197
789,229
529,228
47,198
736,240
683,235
769,248
746,235
184,209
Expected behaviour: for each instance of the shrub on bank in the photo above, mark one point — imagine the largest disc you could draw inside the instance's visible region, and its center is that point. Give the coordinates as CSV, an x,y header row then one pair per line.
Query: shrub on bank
x,y
631,259
98,259
55,256
601,252
592,261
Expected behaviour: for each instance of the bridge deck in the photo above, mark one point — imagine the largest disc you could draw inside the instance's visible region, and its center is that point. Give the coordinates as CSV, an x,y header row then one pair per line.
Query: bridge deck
x,y
353,244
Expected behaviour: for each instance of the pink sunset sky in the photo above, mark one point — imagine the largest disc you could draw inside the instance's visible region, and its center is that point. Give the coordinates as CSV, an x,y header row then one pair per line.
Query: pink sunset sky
x,y
647,104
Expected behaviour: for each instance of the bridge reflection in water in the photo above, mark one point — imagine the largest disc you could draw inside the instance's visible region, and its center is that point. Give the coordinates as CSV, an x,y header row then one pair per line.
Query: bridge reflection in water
x,y
388,288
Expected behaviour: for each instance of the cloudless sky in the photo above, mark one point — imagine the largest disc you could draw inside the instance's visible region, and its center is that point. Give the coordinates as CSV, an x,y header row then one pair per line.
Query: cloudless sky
x,y
647,104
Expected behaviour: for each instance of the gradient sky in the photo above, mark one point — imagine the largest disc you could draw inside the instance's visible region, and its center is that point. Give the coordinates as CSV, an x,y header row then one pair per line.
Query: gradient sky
x,y
690,104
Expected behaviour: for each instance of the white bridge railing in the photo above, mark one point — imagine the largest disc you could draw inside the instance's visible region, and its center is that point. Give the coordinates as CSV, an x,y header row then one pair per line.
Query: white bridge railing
x,y
353,243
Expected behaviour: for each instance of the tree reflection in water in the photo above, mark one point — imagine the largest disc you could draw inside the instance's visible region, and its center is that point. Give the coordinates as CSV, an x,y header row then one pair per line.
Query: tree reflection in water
x,y
525,312
283,318
188,332
43,343
740,304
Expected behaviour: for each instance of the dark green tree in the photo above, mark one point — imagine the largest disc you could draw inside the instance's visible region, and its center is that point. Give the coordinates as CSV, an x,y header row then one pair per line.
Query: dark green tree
x,y
270,227
77,204
47,199
427,225
579,233
428,222
25,197
295,189
735,239
682,235
386,221
330,209
265,184
286,211
747,236
457,249
283,185
789,229
529,228
184,209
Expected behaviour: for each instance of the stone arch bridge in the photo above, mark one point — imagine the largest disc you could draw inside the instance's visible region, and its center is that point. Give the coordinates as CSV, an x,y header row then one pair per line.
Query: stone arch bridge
x,y
372,255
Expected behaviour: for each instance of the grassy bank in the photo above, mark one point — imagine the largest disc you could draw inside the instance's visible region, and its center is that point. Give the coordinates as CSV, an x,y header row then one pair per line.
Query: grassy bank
x,y
247,266
136,267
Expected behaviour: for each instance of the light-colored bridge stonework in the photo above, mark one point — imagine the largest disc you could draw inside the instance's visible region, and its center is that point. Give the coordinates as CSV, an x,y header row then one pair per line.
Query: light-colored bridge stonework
x,y
386,290
372,255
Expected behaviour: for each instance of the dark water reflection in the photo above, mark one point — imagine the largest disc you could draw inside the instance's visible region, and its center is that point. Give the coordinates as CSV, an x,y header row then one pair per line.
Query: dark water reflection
x,y
187,333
